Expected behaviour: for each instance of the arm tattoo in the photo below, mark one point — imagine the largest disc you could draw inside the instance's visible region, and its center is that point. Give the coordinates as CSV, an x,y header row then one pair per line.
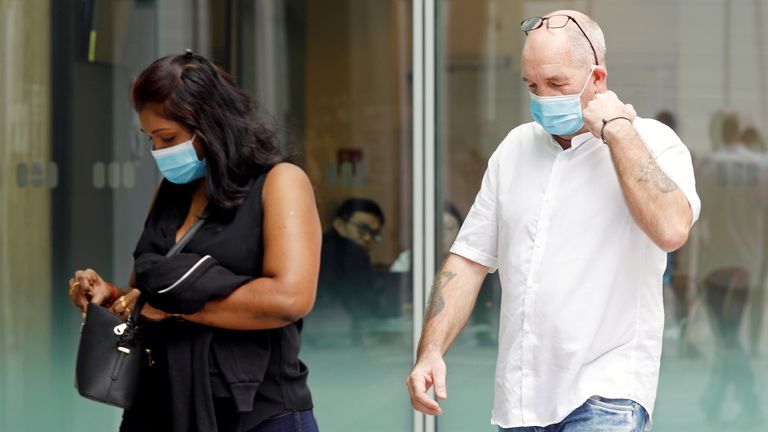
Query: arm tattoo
x,y
651,172
436,300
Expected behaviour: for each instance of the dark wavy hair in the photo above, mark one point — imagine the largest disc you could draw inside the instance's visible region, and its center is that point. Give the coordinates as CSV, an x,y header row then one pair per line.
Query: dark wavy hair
x,y
203,98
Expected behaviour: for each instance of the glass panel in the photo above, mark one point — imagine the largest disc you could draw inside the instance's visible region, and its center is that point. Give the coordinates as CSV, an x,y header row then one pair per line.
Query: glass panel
x,y
78,191
107,176
703,70
715,344
334,76
478,96
356,143
78,180
25,212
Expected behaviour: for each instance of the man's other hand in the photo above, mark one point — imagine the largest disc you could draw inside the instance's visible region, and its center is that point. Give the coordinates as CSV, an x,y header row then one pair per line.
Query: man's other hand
x,y
428,371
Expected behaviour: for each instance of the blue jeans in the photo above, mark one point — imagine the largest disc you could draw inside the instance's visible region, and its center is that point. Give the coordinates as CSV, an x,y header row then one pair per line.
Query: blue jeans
x,y
299,421
597,414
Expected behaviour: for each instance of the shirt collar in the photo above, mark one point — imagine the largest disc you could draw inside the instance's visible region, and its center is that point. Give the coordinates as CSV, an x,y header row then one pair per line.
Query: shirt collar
x,y
580,139
576,141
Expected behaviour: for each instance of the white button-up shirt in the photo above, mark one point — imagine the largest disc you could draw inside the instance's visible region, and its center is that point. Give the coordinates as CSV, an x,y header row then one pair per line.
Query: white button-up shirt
x,y
581,307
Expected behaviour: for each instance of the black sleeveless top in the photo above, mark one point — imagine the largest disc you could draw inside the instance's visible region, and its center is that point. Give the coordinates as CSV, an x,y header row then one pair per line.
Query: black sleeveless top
x,y
251,375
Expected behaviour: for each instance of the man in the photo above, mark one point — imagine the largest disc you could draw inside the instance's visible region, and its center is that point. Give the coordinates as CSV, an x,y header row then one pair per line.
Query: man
x,y
577,211
347,278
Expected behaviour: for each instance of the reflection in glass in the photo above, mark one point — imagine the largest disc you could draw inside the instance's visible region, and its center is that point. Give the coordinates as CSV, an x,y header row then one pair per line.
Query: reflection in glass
x,y
713,371
476,106
346,89
728,259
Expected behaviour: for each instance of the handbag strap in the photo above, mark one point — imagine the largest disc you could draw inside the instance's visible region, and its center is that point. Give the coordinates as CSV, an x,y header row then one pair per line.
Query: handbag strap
x,y
188,235
133,318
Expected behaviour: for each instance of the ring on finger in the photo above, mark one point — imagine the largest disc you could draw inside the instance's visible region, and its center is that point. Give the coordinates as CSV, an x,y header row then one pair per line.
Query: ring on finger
x,y
121,299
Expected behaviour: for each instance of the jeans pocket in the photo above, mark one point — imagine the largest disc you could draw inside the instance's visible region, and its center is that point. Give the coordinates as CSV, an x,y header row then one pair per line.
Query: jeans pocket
x,y
625,405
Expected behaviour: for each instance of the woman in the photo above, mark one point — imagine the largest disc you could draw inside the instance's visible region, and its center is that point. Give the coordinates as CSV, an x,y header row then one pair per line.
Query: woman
x,y
231,362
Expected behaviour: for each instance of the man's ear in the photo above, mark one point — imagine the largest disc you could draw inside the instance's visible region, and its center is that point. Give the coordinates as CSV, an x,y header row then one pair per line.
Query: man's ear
x,y
601,75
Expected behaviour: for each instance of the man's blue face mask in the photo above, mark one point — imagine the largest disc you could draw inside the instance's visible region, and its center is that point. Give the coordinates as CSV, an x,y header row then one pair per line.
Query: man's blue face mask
x,y
559,115
179,164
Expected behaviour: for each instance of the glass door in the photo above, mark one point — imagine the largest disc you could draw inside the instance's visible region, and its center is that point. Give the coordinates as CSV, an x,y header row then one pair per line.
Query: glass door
x,y
336,76
333,76
478,101
702,72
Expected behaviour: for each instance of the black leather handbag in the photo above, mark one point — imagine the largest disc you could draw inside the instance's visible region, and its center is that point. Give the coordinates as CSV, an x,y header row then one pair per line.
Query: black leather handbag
x,y
111,356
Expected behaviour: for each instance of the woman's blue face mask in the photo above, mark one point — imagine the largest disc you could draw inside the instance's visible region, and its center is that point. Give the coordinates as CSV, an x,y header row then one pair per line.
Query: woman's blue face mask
x,y
559,115
179,164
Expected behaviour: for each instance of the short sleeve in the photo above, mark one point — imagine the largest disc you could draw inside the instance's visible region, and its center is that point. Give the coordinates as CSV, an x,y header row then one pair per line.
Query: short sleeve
x,y
674,159
478,238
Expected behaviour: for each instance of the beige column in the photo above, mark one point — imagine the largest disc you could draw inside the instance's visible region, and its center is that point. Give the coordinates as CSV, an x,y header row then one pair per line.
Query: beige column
x,y
25,201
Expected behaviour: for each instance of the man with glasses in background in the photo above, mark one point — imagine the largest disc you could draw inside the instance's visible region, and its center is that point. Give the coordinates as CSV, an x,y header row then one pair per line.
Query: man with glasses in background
x,y
347,287
577,211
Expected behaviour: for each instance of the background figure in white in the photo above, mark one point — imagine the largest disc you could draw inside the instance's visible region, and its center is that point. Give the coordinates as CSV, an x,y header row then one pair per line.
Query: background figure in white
x,y
729,254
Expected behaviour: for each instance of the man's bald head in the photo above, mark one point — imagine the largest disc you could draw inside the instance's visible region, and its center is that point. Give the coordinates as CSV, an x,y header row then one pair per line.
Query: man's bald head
x,y
577,45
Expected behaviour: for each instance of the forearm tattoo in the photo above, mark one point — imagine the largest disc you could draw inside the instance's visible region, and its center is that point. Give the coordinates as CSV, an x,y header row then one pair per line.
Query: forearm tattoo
x,y
436,300
652,173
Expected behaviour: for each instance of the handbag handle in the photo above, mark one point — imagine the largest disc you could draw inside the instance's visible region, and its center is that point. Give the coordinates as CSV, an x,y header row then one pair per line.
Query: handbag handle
x,y
133,318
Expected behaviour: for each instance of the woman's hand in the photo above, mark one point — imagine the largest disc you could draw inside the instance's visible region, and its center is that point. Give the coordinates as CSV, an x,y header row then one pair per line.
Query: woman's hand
x,y
125,304
87,286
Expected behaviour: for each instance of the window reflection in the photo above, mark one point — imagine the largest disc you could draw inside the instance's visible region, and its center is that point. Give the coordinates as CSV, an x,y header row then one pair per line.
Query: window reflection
x,y
713,369
727,263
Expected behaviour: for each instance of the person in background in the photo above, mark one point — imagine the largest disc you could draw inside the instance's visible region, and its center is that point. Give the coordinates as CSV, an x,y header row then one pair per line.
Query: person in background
x,y
229,360
577,210
347,281
485,314
450,223
730,259
752,138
